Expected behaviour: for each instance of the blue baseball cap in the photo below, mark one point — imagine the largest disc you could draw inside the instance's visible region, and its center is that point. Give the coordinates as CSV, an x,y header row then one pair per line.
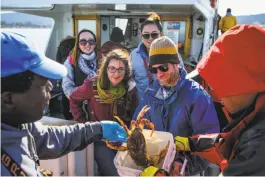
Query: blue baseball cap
x,y
18,54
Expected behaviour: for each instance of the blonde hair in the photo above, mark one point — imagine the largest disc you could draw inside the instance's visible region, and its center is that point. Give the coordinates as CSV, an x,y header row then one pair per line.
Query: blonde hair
x,y
152,19
153,16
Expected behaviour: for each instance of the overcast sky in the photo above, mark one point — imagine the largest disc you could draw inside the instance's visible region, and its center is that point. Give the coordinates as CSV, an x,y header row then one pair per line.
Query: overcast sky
x,y
242,7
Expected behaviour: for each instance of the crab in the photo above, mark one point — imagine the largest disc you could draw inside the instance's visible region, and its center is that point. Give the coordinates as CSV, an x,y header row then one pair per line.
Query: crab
x,y
136,143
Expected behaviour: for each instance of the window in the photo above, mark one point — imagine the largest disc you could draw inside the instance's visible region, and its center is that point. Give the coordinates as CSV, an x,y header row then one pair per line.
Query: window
x,y
176,31
35,28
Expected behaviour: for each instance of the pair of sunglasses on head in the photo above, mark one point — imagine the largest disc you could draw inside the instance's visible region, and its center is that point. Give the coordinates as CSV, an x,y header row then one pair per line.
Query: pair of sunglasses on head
x,y
153,35
84,42
162,68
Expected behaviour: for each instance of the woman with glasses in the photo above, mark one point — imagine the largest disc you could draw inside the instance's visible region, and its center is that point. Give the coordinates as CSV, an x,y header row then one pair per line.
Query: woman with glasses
x,y
83,61
111,93
151,29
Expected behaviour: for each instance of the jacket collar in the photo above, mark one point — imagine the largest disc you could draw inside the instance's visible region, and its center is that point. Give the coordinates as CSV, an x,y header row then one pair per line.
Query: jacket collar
x,y
258,105
140,50
226,147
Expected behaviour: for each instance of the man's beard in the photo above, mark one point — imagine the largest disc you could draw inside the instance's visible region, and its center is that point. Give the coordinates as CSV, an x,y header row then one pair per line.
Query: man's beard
x,y
174,76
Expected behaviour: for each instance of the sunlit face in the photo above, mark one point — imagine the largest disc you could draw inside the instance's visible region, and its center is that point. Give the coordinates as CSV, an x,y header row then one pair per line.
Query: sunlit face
x,y
29,105
169,77
87,42
116,70
150,30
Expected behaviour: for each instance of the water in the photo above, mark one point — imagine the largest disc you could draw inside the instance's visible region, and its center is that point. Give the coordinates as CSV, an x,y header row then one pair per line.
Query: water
x,y
40,36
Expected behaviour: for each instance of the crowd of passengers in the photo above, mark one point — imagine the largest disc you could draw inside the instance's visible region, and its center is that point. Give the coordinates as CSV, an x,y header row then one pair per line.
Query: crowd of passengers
x,y
112,81
99,84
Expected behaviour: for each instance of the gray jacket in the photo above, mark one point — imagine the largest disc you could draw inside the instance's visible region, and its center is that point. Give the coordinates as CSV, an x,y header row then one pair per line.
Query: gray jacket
x,y
38,141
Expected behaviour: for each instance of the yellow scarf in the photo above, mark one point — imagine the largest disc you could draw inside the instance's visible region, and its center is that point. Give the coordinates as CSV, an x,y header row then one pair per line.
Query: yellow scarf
x,y
110,95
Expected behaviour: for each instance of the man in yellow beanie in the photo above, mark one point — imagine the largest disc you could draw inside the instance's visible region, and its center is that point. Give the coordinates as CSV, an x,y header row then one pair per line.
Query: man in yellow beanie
x,y
177,105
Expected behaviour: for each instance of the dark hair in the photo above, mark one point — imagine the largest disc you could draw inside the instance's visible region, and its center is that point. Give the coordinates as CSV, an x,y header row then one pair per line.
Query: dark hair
x,y
65,47
117,54
76,51
117,35
153,19
17,83
228,10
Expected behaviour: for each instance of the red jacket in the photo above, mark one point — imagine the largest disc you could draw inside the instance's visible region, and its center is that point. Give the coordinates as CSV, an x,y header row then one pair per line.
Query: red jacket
x,y
101,111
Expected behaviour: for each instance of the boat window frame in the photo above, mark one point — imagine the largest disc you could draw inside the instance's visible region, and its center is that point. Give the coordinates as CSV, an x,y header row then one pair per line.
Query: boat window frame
x,y
87,17
187,44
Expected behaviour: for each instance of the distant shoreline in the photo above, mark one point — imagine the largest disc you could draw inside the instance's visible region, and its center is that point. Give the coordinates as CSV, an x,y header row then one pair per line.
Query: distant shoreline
x,y
22,28
30,27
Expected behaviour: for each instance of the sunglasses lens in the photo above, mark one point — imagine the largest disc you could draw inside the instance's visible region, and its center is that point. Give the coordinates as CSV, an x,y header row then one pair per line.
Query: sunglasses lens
x,y
153,70
83,42
89,42
163,68
146,36
154,35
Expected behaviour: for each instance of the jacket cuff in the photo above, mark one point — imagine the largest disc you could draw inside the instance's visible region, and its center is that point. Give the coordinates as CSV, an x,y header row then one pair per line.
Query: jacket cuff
x,y
96,129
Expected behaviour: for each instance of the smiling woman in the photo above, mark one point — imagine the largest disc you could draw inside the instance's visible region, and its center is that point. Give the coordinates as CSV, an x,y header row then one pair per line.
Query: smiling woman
x,y
111,93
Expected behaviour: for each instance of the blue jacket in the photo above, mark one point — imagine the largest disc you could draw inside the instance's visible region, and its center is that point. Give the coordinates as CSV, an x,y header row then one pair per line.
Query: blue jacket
x,y
188,111
139,70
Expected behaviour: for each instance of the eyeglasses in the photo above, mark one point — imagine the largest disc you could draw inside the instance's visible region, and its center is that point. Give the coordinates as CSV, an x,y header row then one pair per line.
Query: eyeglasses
x,y
162,68
153,35
83,42
113,70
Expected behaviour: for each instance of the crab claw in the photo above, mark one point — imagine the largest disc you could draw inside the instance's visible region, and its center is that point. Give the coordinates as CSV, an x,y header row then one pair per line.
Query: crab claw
x,y
149,124
142,112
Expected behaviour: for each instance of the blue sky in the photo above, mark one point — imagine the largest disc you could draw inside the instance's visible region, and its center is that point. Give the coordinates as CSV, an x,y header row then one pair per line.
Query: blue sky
x,y
242,7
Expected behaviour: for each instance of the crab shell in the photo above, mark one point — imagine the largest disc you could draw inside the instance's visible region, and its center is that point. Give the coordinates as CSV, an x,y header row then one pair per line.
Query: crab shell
x,y
136,145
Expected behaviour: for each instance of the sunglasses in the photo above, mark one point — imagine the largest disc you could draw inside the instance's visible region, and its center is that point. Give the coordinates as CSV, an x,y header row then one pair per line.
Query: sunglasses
x,y
113,70
153,35
162,68
84,42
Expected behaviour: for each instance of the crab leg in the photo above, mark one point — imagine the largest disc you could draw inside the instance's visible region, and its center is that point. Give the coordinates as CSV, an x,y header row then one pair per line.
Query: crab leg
x,y
133,123
123,125
142,112
149,124
119,148
162,154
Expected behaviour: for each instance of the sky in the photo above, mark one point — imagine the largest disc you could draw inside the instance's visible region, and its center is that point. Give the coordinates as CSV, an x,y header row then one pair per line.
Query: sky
x,y
242,7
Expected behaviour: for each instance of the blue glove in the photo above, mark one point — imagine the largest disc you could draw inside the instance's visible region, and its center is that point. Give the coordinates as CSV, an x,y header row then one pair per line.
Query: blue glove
x,y
113,132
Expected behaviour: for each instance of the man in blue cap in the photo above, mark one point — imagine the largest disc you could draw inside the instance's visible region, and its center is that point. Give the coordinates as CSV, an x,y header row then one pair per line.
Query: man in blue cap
x,y
25,92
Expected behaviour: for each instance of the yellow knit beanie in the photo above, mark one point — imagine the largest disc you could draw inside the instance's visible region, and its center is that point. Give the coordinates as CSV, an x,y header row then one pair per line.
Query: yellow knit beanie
x,y
163,50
